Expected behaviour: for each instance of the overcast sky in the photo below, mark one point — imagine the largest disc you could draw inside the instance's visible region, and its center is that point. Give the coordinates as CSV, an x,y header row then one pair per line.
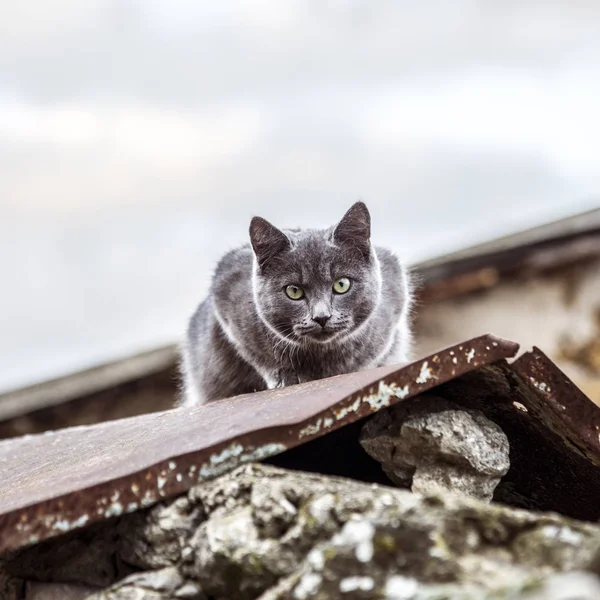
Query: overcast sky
x,y
137,138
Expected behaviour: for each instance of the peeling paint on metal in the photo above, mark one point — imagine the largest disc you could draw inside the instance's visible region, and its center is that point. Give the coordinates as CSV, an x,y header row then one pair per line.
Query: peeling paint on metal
x,y
424,374
148,499
402,392
311,429
384,394
64,525
169,476
540,385
226,454
262,452
375,399
340,414
221,462
114,510
234,455
379,399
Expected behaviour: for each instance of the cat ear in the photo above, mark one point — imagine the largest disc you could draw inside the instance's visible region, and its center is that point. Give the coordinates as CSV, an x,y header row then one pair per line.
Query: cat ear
x,y
267,241
354,230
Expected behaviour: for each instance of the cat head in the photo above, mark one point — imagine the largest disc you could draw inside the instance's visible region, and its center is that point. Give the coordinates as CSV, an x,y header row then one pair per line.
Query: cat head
x,y
316,285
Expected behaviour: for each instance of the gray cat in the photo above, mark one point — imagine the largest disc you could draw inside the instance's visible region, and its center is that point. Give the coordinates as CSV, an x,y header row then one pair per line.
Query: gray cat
x,y
297,305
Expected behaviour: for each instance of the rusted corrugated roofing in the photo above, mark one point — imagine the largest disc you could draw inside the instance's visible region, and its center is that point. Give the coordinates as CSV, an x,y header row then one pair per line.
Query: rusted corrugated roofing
x,y
553,431
62,480
566,407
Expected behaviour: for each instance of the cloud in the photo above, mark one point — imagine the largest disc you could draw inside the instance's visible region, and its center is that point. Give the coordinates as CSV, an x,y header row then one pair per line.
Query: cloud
x,y
186,54
104,152
138,137
497,111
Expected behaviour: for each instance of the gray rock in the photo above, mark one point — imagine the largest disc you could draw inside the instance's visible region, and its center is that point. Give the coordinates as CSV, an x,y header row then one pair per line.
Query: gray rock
x,y
262,532
163,584
432,445
157,538
297,535
567,586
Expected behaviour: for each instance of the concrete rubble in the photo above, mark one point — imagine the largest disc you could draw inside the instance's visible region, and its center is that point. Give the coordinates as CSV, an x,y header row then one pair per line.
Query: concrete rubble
x,y
267,533
433,445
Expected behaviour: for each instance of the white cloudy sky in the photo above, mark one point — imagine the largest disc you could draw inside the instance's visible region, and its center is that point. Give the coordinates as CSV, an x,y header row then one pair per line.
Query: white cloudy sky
x,y
138,137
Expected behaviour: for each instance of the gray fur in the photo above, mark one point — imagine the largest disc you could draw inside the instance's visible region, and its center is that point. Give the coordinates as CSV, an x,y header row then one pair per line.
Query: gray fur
x,y
248,335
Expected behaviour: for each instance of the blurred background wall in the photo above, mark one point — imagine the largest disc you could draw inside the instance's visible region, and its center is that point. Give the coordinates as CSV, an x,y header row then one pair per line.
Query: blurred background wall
x,y
137,138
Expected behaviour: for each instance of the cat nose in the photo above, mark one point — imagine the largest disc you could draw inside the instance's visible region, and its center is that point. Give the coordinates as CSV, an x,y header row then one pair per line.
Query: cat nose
x,y
322,321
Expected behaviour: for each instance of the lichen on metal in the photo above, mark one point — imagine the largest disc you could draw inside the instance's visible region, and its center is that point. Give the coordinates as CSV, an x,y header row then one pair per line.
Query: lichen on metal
x,y
232,456
430,371
376,400
262,452
311,429
96,472
424,374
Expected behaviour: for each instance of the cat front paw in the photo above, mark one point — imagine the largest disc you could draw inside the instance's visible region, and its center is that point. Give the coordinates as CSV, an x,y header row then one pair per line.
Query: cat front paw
x,y
281,379
290,378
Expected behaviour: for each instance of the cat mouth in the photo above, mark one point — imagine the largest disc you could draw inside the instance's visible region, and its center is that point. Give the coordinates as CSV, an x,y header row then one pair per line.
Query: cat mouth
x,y
321,334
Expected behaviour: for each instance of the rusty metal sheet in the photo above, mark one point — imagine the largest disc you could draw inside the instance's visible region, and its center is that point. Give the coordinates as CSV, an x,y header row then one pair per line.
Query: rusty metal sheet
x,y
565,407
62,480
552,428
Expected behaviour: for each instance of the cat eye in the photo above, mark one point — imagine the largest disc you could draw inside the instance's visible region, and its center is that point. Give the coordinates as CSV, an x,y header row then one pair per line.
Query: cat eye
x,y
341,285
294,292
